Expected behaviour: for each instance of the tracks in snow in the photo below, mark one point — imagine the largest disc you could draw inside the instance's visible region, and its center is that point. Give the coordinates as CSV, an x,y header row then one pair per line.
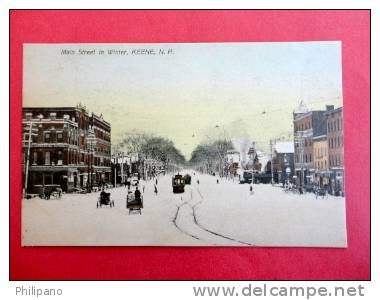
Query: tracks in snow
x,y
186,221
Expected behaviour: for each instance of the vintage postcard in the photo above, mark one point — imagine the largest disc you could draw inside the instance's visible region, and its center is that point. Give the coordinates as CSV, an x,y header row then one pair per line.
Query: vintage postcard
x,y
190,144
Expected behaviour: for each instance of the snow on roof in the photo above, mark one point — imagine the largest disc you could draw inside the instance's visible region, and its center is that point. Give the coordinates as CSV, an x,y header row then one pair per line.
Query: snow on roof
x,y
284,147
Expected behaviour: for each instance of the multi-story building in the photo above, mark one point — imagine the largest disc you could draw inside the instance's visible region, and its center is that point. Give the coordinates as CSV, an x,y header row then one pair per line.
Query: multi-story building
x,y
321,161
232,160
335,134
102,149
68,147
283,161
307,125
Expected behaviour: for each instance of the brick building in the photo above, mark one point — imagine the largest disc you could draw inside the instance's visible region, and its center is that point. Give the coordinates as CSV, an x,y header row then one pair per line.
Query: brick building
x,y
60,153
283,161
335,134
321,161
307,125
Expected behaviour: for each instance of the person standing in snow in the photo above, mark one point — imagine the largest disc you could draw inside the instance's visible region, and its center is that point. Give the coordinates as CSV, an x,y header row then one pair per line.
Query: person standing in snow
x,y
128,183
137,195
251,190
155,190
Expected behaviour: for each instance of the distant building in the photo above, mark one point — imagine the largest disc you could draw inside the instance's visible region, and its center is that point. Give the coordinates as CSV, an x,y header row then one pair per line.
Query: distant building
x,y
307,125
253,162
69,148
232,160
321,161
283,161
335,141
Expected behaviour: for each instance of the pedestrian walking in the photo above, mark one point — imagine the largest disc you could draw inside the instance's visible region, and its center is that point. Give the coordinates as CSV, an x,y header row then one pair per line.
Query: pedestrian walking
x,y
156,181
217,181
143,188
198,181
251,190
155,190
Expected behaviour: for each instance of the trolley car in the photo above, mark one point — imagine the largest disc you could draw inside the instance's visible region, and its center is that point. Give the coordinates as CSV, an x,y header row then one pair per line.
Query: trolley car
x,y
178,184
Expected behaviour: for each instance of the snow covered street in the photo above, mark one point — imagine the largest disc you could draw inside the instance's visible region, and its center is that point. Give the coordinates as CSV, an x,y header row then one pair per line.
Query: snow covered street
x,y
207,213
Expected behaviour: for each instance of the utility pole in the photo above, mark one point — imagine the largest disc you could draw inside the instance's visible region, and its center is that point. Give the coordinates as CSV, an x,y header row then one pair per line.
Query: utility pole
x,y
271,161
302,161
122,167
31,124
115,169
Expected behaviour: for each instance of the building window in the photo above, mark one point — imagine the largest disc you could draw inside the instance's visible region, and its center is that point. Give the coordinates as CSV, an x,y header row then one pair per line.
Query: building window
x,y
48,179
47,137
35,156
60,158
47,158
59,137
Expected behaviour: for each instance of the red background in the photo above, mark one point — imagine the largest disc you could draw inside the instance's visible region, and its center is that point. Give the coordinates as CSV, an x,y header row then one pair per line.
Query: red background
x,y
351,27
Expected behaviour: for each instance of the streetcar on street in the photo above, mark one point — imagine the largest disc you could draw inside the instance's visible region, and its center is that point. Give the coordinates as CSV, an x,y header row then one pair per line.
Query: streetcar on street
x,y
178,184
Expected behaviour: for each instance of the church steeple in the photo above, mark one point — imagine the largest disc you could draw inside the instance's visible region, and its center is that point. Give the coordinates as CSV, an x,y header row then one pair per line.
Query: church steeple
x,y
301,109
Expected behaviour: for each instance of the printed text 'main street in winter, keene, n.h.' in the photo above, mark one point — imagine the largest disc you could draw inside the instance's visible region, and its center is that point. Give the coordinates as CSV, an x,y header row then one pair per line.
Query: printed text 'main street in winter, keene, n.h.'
x,y
122,52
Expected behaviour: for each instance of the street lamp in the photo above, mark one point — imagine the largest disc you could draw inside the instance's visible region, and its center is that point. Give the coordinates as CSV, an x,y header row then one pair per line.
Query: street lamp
x,y
91,142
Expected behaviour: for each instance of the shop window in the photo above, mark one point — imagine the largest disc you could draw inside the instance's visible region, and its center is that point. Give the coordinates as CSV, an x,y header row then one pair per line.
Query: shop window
x,y
48,179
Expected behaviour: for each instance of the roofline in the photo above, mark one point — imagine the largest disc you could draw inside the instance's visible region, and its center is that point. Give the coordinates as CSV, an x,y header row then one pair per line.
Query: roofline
x,y
338,109
100,119
307,114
